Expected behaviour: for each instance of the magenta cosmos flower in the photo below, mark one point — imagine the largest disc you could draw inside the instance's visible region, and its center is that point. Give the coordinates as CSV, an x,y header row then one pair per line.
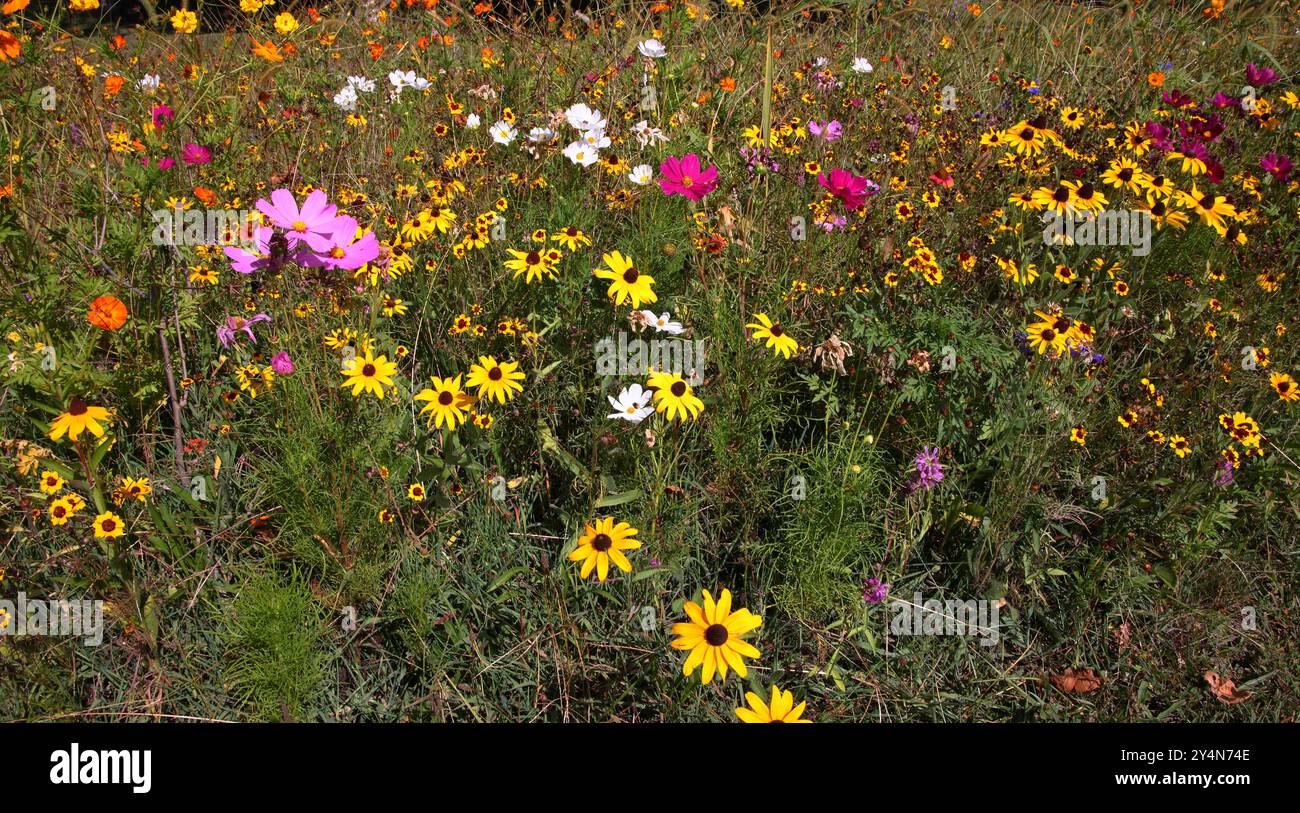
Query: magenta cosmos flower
x,y
849,188
684,176
349,252
314,224
196,154
282,363
246,262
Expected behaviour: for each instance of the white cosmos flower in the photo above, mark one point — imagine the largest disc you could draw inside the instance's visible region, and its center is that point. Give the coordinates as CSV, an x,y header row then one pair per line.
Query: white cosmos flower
x,y
361,83
580,153
641,174
150,82
596,139
539,134
581,117
663,322
861,65
346,98
472,121
502,132
653,48
631,403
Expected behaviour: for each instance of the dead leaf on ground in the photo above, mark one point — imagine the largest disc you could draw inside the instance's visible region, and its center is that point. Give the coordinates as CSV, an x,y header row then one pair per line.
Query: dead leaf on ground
x,y
1077,682
1225,691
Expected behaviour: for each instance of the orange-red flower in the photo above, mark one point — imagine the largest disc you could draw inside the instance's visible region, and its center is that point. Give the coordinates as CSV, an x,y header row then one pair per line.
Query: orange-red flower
x,y
10,48
267,50
107,313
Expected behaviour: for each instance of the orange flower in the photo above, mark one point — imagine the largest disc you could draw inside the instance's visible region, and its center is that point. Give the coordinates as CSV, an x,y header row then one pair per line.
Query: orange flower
x,y
118,42
107,313
14,5
112,85
1155,79
205,195
267,50
9,46
376,50
727,83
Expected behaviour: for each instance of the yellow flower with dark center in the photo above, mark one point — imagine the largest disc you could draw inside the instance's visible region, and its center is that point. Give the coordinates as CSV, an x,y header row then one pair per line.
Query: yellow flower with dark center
x,y
416,492
51,482
781,708
1180,445
571,238
1211,208
61,511
108,526
777,339
495,380
626,281
79,418
1124,173
368,373
674,397
713,636
535,265
603,543
447,403
1025,138
1285,386
1079,435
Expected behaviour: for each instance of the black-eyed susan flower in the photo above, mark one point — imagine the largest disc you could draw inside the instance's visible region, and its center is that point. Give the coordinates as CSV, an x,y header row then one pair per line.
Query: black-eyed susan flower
x,y
627,283
369,374
78,418
674,397
780,709
447,403
535,265
602,543
495,380
108,526
713,636
777,339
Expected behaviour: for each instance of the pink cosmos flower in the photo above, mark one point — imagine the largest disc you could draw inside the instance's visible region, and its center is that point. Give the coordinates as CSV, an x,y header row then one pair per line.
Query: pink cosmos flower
x,y
826,130
246,262
196,154
162,116
226,333
1277,165
852,190
166,163
348,252
314,224
684,176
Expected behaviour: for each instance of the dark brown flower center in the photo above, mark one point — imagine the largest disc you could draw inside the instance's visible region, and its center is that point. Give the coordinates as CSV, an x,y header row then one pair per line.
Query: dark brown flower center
x,y
495,374
630,275
108,526
777,331
368,370
678,388
534,258
602,542
1027,134
445,398
77,407
716,635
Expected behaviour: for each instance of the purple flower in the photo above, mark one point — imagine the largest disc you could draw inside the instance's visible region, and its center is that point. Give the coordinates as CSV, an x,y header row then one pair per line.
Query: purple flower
x,y
1259,77
196,154
282,364
226,333
1277,165
1226,473
874,591
929,471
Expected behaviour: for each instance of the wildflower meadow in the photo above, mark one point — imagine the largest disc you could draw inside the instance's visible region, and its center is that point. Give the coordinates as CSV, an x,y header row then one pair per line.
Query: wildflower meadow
x,y
679,361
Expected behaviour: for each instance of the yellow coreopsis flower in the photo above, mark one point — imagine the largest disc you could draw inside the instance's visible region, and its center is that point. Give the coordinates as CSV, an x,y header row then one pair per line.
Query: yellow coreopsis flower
x,y
184,21
285,23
